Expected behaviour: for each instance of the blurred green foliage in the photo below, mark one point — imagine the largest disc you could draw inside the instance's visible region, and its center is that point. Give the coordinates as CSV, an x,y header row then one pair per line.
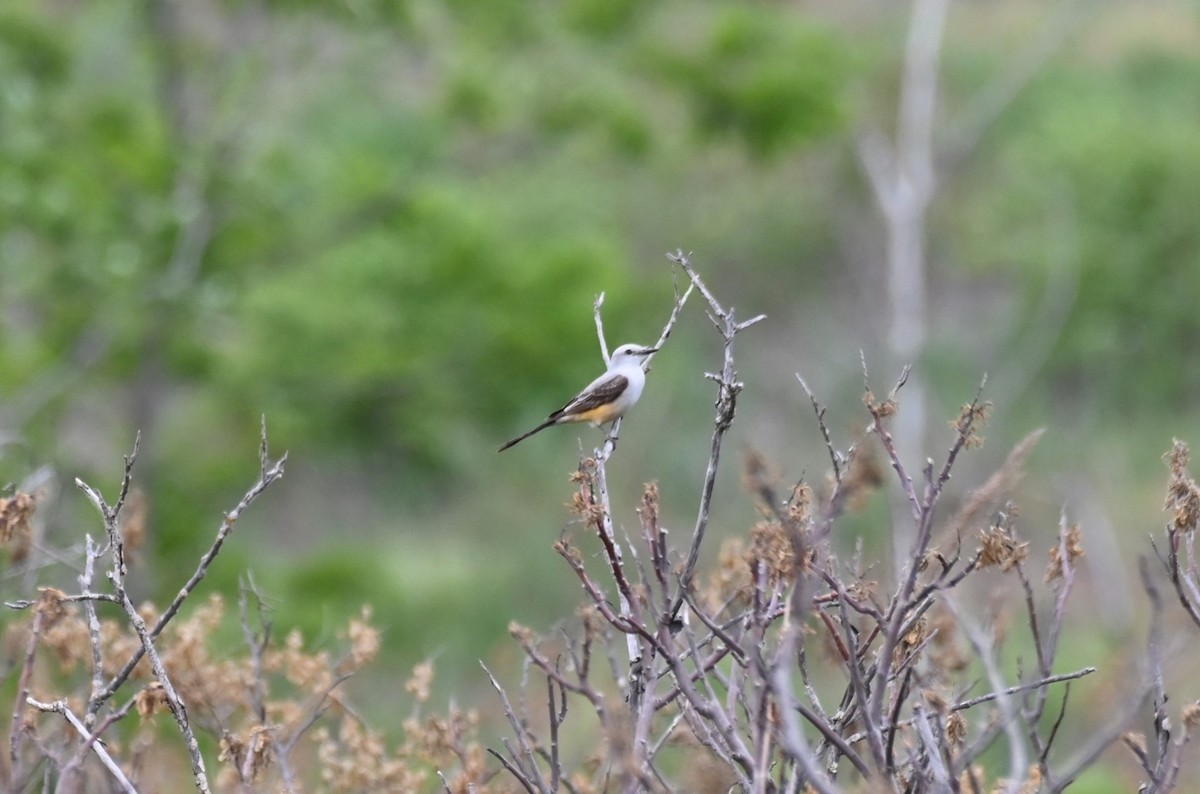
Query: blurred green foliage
x,y
770,81
1097,172
341,262
354,240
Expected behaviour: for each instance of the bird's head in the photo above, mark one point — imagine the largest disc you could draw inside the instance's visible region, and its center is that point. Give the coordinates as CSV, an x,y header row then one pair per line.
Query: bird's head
x,y
631,353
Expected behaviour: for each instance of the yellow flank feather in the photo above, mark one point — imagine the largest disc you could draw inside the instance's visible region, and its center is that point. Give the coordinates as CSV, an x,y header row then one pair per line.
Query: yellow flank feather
x,y
600,415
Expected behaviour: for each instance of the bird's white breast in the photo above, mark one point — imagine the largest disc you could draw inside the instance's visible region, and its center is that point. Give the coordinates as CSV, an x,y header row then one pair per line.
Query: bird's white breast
x,y
637,380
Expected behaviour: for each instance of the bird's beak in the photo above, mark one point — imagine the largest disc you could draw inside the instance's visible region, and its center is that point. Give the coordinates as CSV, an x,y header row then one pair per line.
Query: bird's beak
x,y
645,351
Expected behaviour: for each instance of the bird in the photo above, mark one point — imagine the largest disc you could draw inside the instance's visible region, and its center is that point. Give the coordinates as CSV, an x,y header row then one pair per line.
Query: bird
x,y
605,399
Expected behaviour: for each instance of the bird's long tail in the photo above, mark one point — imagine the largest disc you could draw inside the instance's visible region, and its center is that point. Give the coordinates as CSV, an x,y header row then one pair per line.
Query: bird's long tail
x,y
521,438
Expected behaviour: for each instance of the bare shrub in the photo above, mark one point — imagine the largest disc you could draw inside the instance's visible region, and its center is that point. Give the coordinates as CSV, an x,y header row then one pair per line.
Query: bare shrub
x,y
92,662
792,664
795,667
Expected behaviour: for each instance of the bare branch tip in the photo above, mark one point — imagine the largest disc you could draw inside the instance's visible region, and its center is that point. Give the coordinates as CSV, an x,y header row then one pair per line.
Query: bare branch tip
x,y
752,321
679,257
264,455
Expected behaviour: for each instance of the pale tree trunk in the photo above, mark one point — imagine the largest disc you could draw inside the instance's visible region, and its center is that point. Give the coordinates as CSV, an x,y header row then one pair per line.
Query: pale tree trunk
x,y
902,178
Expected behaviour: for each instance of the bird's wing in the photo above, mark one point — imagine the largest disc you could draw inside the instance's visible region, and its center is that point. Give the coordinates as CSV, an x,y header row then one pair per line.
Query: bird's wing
x,y
602,391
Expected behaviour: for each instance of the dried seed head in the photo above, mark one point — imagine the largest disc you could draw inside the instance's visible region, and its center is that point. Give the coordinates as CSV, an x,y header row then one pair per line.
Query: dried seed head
x,y
998,546
799,507
971,418
151,699
252,753
649,506
911,640
880,410
1190,716
50,605
364,638
936,700
1183,495
521,634
422,678
956,728
570,553
578,504
1074,548
771,547
16,514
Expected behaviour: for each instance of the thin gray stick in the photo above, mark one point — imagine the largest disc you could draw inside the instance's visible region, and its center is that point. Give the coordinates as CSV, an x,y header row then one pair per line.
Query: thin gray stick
x,y
521,734
91,552
600,328
984,649
60,707
728,388
268,474
792,736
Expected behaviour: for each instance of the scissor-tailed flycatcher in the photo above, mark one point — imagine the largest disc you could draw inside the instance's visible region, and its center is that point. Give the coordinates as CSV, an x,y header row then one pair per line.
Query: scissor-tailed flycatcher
x,y
605,399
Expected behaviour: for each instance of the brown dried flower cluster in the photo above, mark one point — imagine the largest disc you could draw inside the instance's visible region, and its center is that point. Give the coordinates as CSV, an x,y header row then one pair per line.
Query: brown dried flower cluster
x,y
771,548
649,507
880,410
799,507
1074,548
956,727
1190,716
355,758
294,686
1183,495
998,546
971,418
16,530
911,641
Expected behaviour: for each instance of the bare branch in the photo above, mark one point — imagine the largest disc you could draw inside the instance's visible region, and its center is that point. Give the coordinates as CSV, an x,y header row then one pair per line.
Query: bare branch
x,y
680,301
600,328
268,476
1041,683
60,707
16,728
527,772
984,650
835,457
728,389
